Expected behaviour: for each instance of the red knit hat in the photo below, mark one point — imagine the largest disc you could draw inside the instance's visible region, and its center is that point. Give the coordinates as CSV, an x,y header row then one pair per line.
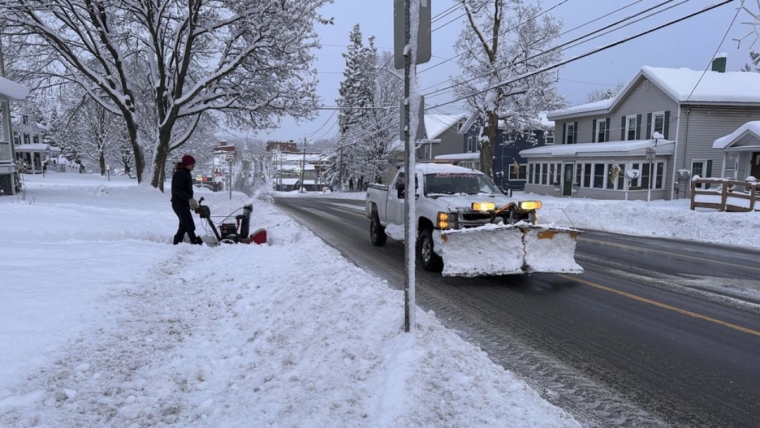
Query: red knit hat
x,y
187,160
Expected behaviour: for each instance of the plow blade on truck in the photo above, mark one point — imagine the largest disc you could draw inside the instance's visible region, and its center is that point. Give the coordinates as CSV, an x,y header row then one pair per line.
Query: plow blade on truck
x,y
507,250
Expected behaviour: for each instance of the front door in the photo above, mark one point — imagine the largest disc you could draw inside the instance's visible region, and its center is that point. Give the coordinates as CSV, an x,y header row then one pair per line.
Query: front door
x,y
567,180
755,167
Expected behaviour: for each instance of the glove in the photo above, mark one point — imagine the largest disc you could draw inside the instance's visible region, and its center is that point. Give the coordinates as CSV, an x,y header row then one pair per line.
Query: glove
x,y
193,204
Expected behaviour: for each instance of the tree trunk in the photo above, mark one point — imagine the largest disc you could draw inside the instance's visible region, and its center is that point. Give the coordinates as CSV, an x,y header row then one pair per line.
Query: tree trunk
x,y
102,163
486,146
159,164
136,148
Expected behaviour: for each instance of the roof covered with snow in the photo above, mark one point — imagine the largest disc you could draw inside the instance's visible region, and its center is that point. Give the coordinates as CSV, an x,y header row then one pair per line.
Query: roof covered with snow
x,y
437,124
441,168
749,133
683,85
12,90
619,148
459,156
36,147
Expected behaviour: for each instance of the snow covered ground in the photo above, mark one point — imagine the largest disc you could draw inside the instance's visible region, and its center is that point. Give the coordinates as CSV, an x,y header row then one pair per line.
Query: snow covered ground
x,y
104,323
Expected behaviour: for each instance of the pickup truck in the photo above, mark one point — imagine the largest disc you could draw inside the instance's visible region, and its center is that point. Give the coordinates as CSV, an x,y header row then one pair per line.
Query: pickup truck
x,y
467,227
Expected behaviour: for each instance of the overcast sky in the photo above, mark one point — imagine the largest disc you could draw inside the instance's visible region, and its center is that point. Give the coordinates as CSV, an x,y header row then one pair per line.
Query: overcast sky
x,y
691,43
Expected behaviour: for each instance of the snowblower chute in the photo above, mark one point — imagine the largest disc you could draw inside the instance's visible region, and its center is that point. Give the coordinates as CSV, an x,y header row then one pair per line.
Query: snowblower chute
x,y
506,250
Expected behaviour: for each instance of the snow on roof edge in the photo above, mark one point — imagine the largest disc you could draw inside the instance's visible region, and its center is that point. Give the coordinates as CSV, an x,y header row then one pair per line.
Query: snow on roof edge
x,y
12,90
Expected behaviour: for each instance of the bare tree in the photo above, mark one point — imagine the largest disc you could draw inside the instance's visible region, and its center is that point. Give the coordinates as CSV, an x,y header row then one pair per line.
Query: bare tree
x,y
604,94
506,39
250,61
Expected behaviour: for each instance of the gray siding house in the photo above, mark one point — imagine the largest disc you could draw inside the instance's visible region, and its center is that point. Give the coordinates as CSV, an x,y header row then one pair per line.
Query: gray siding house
x,y
663,124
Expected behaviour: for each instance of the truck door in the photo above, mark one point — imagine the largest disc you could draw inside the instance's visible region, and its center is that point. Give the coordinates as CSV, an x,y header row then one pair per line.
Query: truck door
x,y
394,206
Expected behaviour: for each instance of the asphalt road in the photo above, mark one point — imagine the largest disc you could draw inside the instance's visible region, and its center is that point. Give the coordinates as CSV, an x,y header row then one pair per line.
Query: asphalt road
x,y
642,338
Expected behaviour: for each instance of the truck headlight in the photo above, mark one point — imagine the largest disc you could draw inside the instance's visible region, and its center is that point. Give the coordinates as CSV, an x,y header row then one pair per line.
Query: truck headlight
x,y
530,205
446,220
483,206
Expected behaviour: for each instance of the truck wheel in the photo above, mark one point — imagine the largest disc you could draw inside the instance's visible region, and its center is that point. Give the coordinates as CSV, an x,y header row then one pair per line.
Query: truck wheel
x,y
429,260
377,232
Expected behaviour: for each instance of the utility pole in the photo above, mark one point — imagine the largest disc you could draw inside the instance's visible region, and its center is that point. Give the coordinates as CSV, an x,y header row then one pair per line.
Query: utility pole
x,y
303,167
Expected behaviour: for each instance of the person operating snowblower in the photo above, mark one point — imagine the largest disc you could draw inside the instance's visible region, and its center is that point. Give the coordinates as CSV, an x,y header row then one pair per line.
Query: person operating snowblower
x,y
183,202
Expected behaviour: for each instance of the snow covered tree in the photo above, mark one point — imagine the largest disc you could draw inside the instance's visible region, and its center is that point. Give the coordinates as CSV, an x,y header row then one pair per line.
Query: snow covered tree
x,y
604,94
505,39
250,61
357,91
755,59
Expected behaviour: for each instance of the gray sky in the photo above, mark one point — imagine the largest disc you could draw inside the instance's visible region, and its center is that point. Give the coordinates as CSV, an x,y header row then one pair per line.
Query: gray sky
x,y
691,44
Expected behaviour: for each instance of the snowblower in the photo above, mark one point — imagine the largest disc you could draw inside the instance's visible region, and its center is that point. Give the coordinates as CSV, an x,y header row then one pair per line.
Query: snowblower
x,y
233,233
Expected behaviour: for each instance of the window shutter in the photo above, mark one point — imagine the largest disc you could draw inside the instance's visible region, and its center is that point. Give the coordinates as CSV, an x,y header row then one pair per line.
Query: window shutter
x,y
607,129
638,126
709,172
593,131
575,133
666,125
649,126
622,128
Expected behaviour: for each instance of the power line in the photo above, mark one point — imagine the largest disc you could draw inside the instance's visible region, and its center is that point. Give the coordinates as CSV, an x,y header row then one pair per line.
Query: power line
x,y
518,25
611,45
577,41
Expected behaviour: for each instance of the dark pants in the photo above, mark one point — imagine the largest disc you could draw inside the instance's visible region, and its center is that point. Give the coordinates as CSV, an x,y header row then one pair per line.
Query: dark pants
x,y
186,224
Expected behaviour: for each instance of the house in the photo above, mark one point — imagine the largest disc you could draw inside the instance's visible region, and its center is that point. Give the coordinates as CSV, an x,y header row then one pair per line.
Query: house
x,y
648,140
510,169
30,144
9,91
442,137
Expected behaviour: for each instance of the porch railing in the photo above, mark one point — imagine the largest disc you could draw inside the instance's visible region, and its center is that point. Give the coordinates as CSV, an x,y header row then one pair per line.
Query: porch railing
x,y
725,195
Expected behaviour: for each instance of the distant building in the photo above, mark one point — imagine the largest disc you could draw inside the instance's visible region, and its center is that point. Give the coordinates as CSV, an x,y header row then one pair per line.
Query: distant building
x,y
9,91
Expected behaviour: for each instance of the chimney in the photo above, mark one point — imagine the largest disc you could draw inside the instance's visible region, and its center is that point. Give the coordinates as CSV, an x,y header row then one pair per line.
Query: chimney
x,y
719,62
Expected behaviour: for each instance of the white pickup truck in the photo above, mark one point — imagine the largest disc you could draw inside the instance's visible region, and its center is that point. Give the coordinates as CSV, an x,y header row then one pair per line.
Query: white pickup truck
x,y
467,227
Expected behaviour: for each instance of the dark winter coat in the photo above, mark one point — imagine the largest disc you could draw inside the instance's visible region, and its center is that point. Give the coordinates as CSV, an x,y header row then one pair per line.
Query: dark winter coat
x,y
182,187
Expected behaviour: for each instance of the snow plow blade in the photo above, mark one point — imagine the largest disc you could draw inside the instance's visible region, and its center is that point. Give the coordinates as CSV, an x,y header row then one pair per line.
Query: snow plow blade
x,y
507,250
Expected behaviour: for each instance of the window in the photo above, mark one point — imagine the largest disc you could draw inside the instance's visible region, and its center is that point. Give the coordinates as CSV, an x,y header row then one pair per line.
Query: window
x,y
620,184
536,174
599,176
470,144
630,127
698,168
600,131
550,178
519,175
587,175
571,133
578,174
658,123
26,139
549,138
530,173
635,182
544,174
646,175
36,138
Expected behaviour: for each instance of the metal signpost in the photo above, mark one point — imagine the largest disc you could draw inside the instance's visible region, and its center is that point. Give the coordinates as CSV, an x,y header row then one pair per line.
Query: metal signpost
x,y
651,154
406,57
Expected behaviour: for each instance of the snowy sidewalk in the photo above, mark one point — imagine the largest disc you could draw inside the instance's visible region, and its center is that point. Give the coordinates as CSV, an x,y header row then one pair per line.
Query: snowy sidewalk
x,y
287,334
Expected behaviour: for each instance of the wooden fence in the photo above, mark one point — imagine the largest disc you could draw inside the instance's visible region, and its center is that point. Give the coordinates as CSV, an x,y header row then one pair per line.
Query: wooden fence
x,y
725,195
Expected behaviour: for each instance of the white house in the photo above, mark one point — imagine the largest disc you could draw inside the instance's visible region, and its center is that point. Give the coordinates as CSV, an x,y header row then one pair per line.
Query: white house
x,y
9,91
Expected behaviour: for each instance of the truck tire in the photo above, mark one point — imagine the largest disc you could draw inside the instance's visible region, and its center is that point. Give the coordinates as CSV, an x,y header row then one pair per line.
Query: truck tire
x,y
429,260
377,232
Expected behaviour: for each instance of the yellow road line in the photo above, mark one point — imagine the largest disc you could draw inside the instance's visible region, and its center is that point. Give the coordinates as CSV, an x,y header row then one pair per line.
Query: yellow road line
x,y
662,305
631,247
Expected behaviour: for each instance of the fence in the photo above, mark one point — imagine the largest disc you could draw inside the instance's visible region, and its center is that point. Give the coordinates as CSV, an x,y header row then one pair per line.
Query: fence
x,y
724,195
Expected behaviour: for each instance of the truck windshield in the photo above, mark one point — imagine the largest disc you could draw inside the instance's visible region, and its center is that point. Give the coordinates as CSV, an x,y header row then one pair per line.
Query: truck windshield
x,y
459,183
